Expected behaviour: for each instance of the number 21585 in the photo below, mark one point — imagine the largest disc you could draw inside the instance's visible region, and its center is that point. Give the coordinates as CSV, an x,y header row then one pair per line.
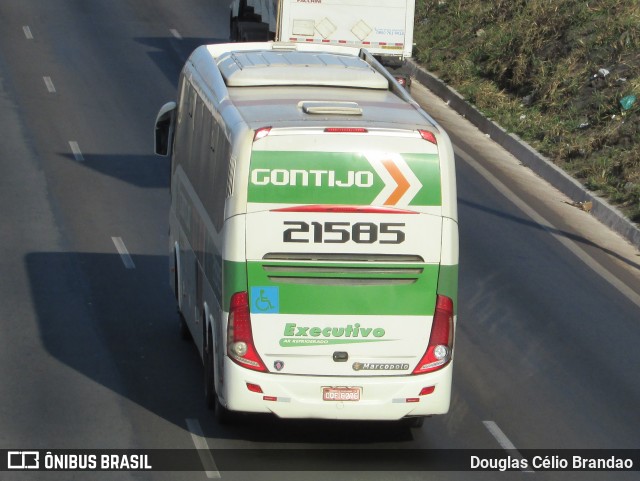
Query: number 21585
x,y
342,232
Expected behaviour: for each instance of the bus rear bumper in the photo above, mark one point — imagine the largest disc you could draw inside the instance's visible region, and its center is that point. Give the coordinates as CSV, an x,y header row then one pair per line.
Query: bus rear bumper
x,y
380,397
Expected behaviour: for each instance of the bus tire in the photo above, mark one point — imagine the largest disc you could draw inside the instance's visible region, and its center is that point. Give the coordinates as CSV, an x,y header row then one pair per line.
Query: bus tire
x,y
210,397
185,334
183,328
223,415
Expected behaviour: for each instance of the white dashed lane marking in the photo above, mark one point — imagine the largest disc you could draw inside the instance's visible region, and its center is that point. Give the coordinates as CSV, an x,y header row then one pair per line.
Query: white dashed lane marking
x,y
200,442
49,84
75,149
504,442
124,253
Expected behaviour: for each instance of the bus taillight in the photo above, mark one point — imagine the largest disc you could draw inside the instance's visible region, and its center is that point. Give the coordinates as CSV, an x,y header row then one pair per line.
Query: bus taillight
x,y
428,136
440,346
261,133
240,347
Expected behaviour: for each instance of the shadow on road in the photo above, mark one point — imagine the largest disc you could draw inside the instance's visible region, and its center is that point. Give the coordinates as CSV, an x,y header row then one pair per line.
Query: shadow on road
x,y
146,171
121,330
176,50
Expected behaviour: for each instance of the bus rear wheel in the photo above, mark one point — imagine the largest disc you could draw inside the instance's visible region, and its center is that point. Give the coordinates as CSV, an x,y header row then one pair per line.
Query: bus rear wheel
x,y
414,422
210,397
223,415
183,328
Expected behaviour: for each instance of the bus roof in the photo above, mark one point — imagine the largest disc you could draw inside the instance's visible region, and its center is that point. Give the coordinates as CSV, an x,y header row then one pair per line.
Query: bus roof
x,y
272,67
287,107
284,85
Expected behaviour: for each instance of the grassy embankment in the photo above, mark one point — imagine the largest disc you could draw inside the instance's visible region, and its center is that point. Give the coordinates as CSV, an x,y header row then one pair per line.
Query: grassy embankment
x,y
552,71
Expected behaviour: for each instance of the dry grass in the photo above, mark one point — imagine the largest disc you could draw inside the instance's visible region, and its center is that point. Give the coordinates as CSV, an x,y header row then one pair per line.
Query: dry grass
x,y
533,66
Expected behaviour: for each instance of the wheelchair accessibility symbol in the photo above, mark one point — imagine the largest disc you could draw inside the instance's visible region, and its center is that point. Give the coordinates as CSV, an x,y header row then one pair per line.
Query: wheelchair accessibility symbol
x,y
265,299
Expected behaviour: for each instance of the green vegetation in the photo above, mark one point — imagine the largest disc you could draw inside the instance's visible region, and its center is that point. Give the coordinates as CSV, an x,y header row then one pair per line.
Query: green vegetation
x,y
561,74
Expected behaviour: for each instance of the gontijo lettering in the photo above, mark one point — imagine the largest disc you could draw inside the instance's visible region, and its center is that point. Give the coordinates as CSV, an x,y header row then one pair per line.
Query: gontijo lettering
x,y
315,178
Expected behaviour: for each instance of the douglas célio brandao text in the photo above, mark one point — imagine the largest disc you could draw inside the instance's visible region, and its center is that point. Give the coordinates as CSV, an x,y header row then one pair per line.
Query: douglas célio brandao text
x,y
552,463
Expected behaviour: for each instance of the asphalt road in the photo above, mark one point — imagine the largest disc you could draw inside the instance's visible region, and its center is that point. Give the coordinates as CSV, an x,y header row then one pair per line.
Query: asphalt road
x,y
90,356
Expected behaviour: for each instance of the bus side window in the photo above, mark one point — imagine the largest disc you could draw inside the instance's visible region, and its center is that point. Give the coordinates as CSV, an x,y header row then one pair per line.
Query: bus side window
x,y
220,175
184,128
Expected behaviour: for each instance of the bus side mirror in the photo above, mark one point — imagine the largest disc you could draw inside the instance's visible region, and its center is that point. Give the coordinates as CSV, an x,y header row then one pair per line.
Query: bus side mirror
x,y
165,121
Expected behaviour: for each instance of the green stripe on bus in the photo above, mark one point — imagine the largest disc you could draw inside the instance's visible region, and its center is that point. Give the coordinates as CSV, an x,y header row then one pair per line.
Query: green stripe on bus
x,y
293,342
315,293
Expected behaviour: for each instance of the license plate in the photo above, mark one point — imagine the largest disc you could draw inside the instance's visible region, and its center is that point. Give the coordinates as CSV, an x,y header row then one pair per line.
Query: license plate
x,y
341,393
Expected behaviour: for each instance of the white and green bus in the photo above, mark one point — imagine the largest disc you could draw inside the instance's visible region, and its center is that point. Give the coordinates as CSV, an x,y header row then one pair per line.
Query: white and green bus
x,y
313,234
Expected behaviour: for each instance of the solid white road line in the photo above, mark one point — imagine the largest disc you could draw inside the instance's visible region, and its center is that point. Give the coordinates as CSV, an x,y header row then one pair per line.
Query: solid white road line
x,y
124,253
27,32
75,149
569,244
175,33
504,442
49,84
200,442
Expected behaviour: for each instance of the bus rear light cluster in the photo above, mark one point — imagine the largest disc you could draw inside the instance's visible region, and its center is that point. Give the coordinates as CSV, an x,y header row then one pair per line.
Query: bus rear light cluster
x,y
428,136
261,133
254,388
258,390
346,130
240,347
427,390
440,348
